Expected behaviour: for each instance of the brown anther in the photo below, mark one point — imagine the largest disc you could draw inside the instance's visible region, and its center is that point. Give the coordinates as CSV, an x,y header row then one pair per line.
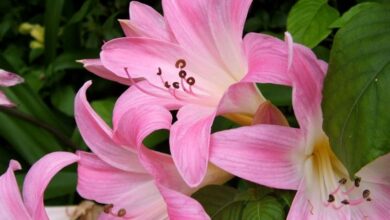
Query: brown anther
x,y
366,193
357,181
121,212
159,72
343,181
182,74
191,81
368,199
176,85
180,63
107,208
166,84
345,202
331,198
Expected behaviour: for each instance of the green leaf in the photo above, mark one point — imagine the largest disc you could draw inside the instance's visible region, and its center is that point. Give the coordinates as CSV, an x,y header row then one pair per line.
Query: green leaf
x,y
214,198
104,109
52,24
155,138
356,94
63,98
277,94
267,208
233,211
309,20
347,16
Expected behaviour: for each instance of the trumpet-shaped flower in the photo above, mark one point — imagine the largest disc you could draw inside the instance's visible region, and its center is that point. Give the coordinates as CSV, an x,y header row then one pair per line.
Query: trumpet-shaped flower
x,y
8,79
302,159
196,61
134,182
31,207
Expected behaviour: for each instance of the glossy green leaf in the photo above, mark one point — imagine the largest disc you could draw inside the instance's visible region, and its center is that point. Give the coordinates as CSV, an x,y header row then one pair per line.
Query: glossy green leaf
x,y
63,98
347,16
277,94
155,138
309,20
356,95
52,24
215,198
267,208
104,109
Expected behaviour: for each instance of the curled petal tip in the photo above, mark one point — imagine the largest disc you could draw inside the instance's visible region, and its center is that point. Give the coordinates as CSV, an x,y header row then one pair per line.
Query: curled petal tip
x,y
15,165
289,40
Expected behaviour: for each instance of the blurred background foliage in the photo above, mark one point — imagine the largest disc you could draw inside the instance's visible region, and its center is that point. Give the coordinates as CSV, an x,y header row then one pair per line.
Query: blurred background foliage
x,y
41,41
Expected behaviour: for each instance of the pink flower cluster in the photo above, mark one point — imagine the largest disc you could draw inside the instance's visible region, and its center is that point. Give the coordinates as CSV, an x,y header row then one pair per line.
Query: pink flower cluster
x,y
195,60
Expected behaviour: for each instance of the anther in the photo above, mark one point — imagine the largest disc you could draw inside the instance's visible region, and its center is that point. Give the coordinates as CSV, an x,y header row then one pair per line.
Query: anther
x,y
166,84
191,81
345,202
182,74
159,72
180,63
366,193
357,181
343,181
176,85
368,199
121,212
107,208
331,198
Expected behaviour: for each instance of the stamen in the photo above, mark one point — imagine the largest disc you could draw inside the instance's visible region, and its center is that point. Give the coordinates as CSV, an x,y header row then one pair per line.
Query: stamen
x,y
343,181
181,63
190,81
369,199
107,208
345,202
357,181
356,202
159,72
121,212
182,74
331,198
176,85
366,193
166,84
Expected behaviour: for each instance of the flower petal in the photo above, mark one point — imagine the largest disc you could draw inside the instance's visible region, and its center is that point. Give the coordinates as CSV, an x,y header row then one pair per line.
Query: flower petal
x,y
307,75
378,207
268,59
142,57
133,97
181,206
9,79
11,204
265,154
306,207
95,66
242,98
145,22
267,113
137,123
39,176
134,192
227,19
98,136
192,30
60,213
377,171
189,141
4,101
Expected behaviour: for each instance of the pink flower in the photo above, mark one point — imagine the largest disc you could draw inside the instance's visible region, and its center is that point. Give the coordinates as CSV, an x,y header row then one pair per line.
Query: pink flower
x,y
302,159
195,60
8,79
133,181
12,206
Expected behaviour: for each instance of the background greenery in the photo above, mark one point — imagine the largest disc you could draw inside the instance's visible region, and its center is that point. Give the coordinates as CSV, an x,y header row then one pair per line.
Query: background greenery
x,y
43,120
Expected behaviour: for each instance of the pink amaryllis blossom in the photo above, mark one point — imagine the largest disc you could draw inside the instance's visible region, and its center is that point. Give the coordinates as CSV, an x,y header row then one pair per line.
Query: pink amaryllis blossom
x,y
133,181
302,159
30,207
8,79
195,61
